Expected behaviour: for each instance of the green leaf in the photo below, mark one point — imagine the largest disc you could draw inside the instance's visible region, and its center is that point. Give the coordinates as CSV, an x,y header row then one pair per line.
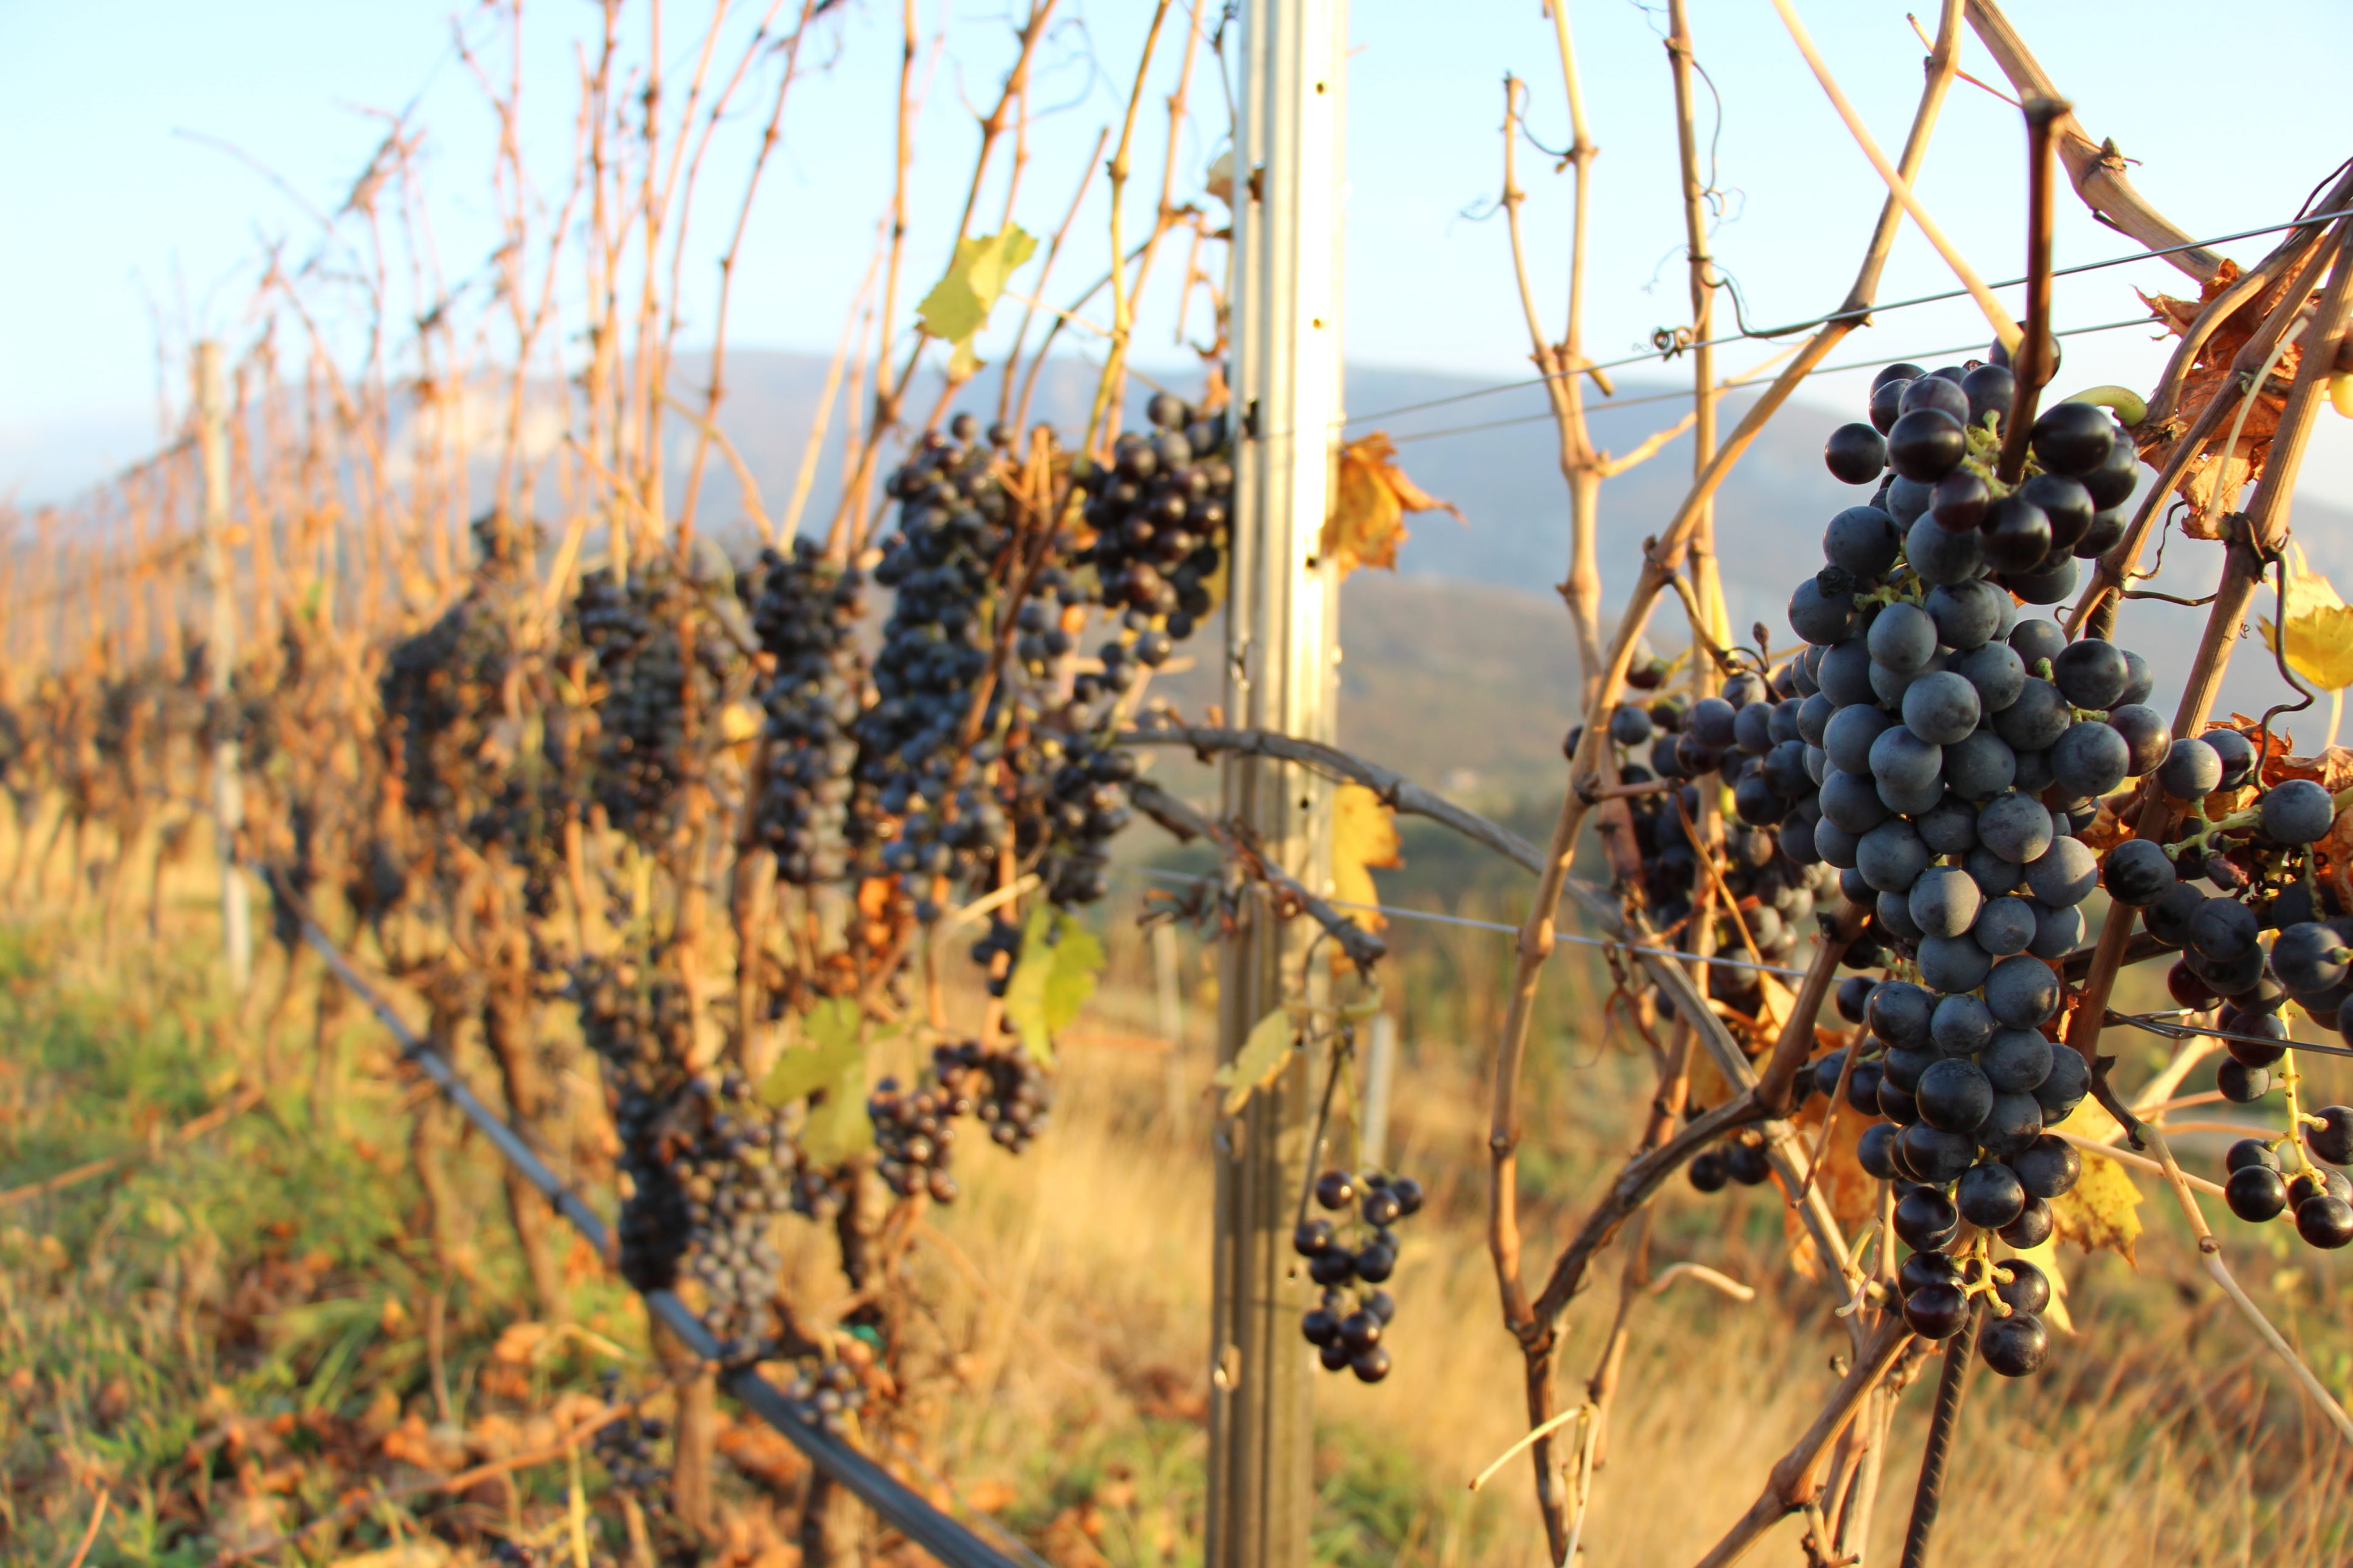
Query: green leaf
x,y
838,1128
830,1053
1265,1054
958,305
1052,979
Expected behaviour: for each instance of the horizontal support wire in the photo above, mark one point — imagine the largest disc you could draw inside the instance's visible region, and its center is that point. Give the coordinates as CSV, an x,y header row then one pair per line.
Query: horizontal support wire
x,y
1755,379
890,1497
1862,313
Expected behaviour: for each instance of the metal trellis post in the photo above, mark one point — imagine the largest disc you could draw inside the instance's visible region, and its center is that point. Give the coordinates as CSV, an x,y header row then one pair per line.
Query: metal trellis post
x,y
1279,676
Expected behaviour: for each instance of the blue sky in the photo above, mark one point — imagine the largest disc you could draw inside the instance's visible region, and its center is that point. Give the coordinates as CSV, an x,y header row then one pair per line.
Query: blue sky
x,y
142,230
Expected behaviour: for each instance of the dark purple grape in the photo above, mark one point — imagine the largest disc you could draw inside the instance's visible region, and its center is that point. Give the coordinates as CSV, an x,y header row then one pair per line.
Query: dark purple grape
x,y
2014,1346
1925,444
2073,437
1856,454
2014,535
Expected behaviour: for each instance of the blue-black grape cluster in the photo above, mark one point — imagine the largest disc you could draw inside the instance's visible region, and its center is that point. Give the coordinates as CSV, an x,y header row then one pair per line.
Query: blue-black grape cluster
x,y
663,668
1745,740
1345,1257
624,1447
804,613
1958,749
947,567
1039,782
642,1029
2261,863
709,1169
445,692
1161,512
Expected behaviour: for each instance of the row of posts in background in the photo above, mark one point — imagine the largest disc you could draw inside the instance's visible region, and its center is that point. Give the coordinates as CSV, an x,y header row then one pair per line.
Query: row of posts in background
x,y
1381,1053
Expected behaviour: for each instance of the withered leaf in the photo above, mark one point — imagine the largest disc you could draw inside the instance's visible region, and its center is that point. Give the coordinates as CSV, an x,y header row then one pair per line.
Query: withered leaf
x,y
1366,522
1364,835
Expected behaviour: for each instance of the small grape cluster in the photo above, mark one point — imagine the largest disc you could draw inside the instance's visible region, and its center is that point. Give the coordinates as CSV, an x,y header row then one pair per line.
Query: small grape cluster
x,y
2261,860
2261,1183
804,613
1161,514
443,691
709,1169
624,1447
1739,1160
914,1133
1745,740
828,1396
914,1130
1347,1324
1011,1094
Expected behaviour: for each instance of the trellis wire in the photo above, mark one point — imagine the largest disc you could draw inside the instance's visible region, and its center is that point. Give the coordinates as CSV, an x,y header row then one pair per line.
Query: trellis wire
x,y
1820,320
1726,388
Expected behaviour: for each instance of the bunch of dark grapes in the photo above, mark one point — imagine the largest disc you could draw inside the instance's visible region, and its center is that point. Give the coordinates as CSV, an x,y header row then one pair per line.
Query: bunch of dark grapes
x,y
1745,740
911,818
642,1029
444,690
1347,1325
624,1447
1162,513
709,1169
2262,863
664,668
736,1173
1958,750
915,1131
1011,1093
805,615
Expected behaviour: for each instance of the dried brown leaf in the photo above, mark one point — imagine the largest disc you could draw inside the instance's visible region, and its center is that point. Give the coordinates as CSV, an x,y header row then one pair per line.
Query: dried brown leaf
x,y
2215,472
1366,522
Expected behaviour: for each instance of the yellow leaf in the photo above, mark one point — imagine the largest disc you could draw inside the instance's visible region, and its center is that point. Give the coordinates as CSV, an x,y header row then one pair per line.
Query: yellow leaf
x,y
1364,835
1051,980
958,305
2318,643
1366,522
1264,1055
2102,1208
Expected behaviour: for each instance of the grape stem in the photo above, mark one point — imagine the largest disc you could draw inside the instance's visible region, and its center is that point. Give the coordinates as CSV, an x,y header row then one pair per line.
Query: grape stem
x,y
2145,1136
2095,168
2037,359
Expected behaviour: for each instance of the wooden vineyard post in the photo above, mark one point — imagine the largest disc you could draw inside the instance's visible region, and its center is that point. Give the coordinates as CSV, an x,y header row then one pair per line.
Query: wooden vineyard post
x,y
220,663
1280,676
